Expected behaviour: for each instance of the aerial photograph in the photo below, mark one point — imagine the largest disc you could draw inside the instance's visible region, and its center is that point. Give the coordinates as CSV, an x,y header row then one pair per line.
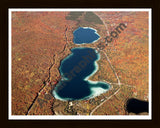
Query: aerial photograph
x,y
79,63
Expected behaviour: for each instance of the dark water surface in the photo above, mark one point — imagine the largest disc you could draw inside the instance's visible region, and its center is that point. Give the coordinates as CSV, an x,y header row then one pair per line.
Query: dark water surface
x,y
85,35
75,70
136,106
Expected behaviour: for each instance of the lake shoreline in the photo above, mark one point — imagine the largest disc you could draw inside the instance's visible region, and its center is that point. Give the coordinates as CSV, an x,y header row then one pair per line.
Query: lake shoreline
x,y
93,34
93,89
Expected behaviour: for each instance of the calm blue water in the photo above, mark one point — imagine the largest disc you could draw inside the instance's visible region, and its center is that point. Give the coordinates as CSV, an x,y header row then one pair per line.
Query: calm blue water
x,y
85,35
75,69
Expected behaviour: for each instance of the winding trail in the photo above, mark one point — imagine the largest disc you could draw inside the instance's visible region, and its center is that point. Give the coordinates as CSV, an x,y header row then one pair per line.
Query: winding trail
x,y
104,24
118,80
108,34
66,41
46,82
119,83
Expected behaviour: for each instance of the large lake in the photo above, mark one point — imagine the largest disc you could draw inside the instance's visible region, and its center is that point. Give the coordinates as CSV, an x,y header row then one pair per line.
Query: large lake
x,y
75,71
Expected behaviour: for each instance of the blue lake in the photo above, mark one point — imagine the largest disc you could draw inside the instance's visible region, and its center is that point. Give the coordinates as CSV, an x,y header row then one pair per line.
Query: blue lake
x,y
75,70
85,35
